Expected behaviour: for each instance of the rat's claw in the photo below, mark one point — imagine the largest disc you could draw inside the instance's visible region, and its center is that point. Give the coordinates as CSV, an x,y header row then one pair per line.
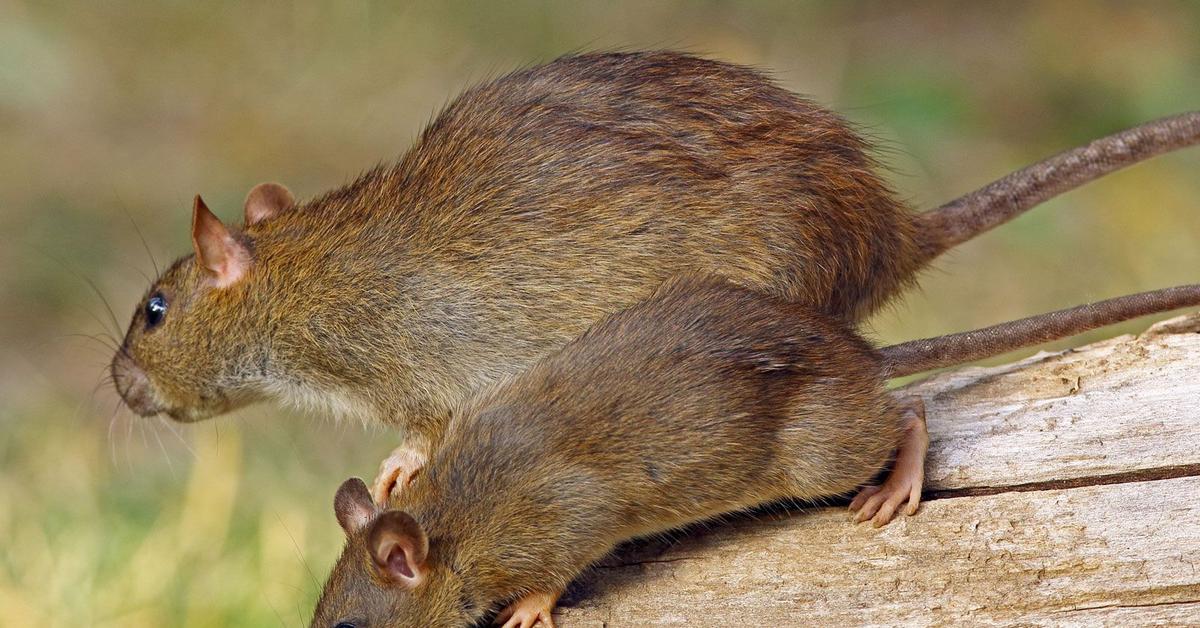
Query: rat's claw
x,y
395,472
862,496
867,502
879,503
888,509
529,611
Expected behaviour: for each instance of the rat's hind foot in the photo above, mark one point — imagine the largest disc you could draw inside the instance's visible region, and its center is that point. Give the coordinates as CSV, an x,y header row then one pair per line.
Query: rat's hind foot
x,y
529,610
879,503
395,472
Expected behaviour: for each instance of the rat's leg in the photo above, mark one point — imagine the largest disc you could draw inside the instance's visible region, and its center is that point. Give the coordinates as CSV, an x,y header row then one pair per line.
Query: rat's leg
x,y
529,610
397,470
879,503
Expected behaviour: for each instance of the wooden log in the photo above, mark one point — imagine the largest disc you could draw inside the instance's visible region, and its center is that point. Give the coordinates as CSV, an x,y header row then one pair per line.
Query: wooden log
x,y
1063,490
1126,406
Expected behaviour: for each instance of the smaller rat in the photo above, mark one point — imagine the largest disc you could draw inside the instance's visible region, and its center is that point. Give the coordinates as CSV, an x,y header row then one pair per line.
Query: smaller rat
x,y
704,399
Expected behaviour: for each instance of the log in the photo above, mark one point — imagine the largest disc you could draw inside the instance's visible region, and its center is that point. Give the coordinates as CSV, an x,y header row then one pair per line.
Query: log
x,y
1063,489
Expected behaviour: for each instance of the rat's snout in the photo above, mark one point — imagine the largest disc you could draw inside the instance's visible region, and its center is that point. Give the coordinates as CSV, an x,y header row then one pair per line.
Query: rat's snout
x,y
133,385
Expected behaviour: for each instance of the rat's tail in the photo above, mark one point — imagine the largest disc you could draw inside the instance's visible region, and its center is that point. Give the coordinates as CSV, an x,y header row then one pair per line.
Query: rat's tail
x,y
927,354
970,215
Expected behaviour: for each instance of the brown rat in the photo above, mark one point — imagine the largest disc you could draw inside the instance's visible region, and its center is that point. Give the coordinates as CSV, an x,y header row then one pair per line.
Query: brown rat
x,y
704,399
532,206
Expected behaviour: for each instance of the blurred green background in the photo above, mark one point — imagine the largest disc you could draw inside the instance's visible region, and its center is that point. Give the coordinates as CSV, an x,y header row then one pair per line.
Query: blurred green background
x,y
117,113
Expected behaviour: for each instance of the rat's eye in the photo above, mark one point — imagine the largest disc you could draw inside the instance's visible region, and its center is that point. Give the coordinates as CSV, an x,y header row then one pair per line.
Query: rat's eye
x,y
344,624
156,309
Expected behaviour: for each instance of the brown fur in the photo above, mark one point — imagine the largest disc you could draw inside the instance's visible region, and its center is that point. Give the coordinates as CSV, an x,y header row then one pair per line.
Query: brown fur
x,y
530,208
705,399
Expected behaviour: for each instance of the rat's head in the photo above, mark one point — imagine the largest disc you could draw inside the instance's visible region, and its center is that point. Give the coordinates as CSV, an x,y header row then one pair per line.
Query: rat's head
x,y
388,574
198,338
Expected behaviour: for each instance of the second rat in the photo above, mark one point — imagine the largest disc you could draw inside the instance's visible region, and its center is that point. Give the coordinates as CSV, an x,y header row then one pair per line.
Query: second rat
x,y
704,399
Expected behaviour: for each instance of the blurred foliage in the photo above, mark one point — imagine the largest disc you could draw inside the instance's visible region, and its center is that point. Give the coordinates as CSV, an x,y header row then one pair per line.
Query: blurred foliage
x,y
113,114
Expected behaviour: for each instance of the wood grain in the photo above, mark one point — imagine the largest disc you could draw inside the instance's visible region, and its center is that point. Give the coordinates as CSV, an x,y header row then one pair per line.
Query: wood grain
x,y
1123,406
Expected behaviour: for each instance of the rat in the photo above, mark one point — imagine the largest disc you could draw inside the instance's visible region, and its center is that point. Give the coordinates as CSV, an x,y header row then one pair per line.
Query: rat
x,y
532,206
705,399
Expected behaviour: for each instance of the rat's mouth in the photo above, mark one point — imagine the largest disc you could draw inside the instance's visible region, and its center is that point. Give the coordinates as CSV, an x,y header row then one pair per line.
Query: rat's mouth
x,y
134,386
189,415
210,404
142,408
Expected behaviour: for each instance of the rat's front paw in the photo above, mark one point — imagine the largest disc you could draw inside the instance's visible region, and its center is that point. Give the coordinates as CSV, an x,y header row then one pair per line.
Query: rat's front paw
x,y
395,473
529,610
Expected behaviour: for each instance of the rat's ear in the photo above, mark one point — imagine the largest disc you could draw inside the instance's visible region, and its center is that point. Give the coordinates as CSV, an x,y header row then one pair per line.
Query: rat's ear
x,y
399,547
223,258
353,505
267,200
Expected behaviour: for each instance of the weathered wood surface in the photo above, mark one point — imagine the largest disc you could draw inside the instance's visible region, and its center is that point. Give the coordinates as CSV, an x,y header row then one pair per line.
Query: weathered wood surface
x,y
1063,490
1130,405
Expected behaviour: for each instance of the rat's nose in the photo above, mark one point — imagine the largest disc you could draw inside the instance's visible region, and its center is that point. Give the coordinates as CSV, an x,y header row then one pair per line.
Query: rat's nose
x,y
133,385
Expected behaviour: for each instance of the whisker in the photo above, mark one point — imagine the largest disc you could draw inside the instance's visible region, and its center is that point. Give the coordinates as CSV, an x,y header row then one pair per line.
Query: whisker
x,y
103,353
128,443
91,398
139,271
186,445
275,610
137,230
105,340
99,321
107,306
142,430
299,553
91,284
170,465
112,443
56,342
293,587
